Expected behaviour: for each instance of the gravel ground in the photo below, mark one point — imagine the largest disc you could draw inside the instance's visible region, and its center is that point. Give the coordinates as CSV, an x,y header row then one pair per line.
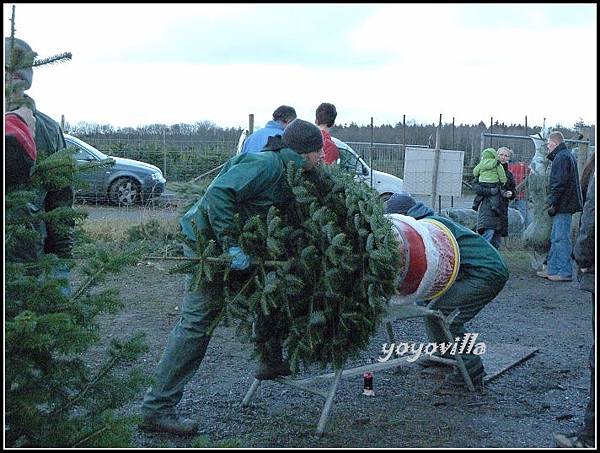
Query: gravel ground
x,y
522,408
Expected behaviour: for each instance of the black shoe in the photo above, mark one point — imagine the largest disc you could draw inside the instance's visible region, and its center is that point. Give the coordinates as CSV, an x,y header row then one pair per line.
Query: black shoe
x,y
268,371
170,424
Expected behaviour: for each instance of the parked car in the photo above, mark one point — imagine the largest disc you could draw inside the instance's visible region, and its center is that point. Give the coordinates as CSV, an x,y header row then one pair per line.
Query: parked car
x,y
384,183
125,183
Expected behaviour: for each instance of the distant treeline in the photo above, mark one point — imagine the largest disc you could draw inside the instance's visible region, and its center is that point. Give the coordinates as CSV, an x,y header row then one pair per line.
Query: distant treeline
x,y
463,136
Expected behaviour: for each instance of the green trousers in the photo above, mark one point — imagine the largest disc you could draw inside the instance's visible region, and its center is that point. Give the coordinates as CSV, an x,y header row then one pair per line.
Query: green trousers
x,y
183,353
469,295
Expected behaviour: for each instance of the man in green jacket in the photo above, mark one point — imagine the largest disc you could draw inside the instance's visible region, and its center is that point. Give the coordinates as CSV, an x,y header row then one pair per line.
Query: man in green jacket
x,y
249,184
481,276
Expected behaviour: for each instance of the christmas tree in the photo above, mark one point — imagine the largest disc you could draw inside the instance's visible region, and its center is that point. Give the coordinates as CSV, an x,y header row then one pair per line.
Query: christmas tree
x,y
536,236
324,268
53,398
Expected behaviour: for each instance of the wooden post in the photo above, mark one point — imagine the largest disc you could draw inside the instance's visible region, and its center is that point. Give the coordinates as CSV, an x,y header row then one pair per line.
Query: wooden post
x,y
436,163
371,154
164,154
250,123
404,135
62,122
582,153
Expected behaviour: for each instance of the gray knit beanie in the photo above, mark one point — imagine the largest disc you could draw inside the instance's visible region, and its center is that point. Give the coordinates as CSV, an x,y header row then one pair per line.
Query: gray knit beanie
x,y
399,203
22,48
303,137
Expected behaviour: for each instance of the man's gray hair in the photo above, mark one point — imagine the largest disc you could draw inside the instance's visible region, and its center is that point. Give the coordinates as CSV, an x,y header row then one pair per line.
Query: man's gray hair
x,y
505,150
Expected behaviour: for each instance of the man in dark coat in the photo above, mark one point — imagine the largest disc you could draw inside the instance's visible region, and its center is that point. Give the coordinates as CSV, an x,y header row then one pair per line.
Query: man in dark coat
x,y
564,200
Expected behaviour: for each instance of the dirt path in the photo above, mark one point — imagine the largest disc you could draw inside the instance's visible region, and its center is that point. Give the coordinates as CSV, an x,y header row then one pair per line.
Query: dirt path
x,y
546,394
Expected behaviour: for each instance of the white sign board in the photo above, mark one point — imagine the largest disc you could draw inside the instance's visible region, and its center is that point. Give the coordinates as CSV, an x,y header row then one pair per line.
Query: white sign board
x,y
418,171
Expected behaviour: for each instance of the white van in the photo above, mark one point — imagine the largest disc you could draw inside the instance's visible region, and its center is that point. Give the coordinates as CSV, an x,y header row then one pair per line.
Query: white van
x,y
384,183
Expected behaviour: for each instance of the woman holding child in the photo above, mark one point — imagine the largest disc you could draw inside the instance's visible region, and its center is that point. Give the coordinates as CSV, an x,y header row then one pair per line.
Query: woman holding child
x,y
495,188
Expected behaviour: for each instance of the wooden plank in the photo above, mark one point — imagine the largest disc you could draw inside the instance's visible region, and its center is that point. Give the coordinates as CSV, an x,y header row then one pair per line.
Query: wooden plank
x,y
501,357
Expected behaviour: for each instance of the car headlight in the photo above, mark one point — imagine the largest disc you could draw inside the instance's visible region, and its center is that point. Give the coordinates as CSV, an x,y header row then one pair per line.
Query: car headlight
x,y
157,177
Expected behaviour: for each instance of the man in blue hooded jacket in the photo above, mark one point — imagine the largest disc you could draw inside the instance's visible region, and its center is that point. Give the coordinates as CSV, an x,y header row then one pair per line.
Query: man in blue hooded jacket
x,y
481,276
282,116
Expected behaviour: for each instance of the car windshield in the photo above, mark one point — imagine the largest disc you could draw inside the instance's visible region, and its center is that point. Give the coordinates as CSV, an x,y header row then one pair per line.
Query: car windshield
x,y
349,161
99,154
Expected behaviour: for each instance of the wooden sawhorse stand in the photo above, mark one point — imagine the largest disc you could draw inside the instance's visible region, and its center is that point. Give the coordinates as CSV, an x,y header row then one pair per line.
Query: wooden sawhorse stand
x,y
395,312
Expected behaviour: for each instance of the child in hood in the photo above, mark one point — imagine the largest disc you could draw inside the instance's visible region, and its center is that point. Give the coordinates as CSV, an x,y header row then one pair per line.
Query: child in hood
x,y
490,174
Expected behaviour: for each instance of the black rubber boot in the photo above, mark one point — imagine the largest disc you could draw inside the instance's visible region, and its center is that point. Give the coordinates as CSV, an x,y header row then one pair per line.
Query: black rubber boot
x,y
272,365
455,380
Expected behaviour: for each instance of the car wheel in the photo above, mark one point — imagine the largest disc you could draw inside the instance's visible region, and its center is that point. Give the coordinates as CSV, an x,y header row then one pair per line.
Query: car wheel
x,y
124,192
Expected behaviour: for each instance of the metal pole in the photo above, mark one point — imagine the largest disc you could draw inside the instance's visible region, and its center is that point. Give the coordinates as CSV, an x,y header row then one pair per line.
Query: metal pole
x,y
164,154
329,402
371,154
250,123
526,125
567,140
491,128
452,132
404,134
436,163
482,143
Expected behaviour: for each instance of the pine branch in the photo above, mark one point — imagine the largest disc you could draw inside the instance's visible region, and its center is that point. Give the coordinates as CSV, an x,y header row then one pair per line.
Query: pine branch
x,y
89,436
87,283
94,381
92,278
217,319
60,58
211,260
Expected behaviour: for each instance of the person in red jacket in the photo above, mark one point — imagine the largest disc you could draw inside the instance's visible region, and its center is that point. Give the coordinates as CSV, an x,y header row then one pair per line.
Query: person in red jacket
x,y
325,119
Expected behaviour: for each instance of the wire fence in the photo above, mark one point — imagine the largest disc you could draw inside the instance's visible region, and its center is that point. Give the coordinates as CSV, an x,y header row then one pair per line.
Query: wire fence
x,y
179,160
184,159
385,157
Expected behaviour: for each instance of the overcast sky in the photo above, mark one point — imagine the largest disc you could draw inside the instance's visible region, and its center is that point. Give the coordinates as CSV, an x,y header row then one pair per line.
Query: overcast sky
x,y
136,64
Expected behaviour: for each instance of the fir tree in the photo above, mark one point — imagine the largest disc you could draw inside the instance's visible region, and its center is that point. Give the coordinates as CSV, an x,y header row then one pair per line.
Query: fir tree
x,y
324,269
52,397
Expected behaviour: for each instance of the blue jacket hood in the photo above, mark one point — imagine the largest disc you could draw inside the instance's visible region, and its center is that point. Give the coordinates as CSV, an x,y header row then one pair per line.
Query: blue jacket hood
x,y
420,211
